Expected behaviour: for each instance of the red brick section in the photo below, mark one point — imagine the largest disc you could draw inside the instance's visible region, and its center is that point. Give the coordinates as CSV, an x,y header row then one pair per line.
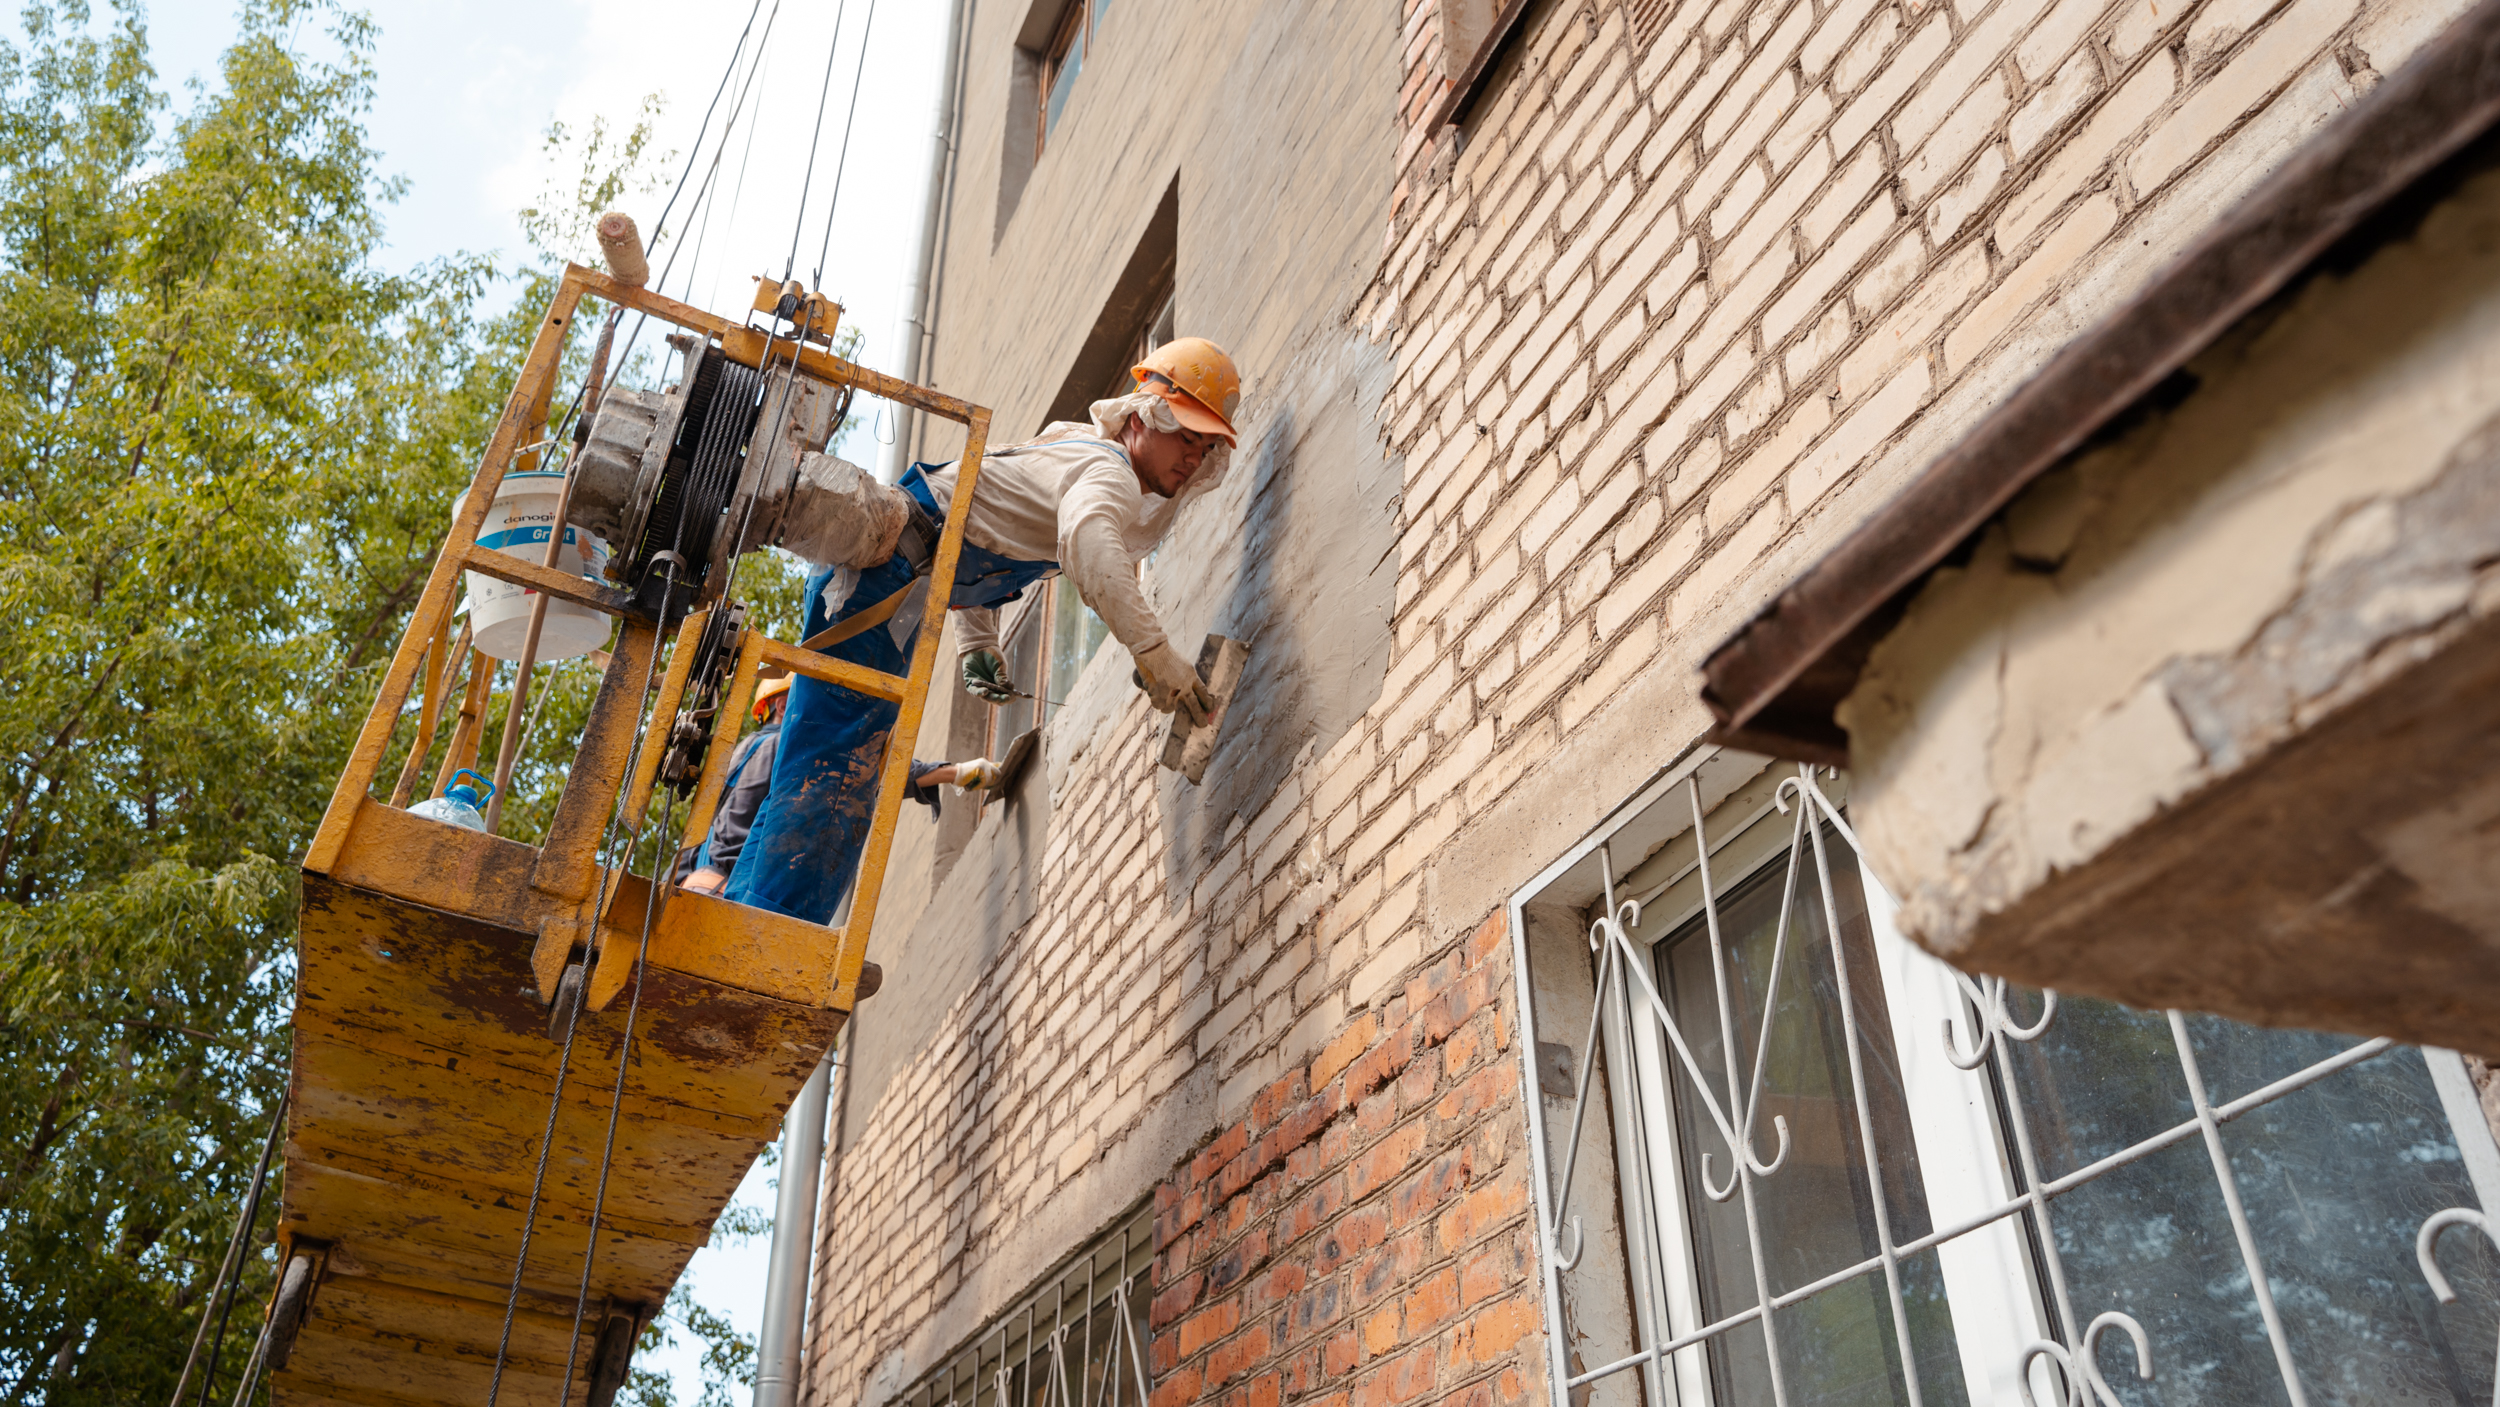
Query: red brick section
x,y
1363,1238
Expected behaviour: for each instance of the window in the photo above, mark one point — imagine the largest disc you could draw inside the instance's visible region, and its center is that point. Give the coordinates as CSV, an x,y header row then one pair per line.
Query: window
x,y
1063,61
1474,36
1075,633
1953,1190
1078,1341
1152,333
1047,640
1022,630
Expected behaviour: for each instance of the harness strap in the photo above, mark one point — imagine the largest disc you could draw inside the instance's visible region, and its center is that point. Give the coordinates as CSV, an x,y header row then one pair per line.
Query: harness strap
x,y
866,620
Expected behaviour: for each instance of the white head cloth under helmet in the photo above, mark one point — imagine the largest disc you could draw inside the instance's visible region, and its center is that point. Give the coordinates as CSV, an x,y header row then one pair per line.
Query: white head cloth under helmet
x,y
1111,417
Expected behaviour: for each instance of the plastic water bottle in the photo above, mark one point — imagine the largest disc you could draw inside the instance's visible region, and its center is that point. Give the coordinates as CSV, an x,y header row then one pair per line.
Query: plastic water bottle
x,y
459,802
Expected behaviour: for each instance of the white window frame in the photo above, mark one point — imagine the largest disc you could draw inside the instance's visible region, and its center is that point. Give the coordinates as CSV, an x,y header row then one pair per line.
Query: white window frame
x,y
1993,1288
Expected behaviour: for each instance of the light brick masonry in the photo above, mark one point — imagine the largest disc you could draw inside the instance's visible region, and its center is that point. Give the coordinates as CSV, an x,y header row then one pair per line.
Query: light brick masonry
x,y
1666,314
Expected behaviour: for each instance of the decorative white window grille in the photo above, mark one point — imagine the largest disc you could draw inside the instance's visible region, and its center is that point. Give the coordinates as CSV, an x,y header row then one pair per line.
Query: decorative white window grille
x,y
1077,1341
1948,1190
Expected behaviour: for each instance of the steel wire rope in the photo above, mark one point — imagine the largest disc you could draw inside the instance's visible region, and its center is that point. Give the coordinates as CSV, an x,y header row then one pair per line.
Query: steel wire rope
x,y
807,310
806,322
705,200
707,197
616,1101
564,1059
590,1249
232,1267
737,201
807,177
728,71
694,158
625,1046
573,1017
867,31
607,875
706,193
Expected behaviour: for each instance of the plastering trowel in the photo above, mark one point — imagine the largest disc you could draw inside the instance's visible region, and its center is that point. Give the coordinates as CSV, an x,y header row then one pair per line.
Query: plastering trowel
x,y
1186,749
1019,756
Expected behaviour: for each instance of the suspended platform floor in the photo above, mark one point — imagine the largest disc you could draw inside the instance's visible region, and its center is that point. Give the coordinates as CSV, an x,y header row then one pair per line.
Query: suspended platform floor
x,y
423,1074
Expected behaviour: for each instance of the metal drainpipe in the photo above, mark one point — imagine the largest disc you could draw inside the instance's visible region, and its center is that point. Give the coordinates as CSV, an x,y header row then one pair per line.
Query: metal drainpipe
x,y
794,1238
910,323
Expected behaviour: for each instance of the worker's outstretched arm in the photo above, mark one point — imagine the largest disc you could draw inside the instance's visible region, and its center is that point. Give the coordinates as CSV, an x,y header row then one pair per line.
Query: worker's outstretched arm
x,y
1094,556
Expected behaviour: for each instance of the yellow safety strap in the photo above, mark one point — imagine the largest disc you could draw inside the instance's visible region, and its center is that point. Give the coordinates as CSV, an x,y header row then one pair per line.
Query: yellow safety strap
x,y
869,619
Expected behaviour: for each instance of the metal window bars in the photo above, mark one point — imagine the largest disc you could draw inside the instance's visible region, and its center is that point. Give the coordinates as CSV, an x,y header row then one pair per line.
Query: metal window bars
x,y
1626,987
1079,1340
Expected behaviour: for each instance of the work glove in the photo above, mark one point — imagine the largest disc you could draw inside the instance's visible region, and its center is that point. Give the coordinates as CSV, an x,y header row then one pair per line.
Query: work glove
x,y
985,676
980,774
1173,685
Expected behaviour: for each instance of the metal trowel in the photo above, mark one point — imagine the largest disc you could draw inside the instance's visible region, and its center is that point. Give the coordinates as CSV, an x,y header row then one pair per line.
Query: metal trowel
x,y
1019,756
1186,749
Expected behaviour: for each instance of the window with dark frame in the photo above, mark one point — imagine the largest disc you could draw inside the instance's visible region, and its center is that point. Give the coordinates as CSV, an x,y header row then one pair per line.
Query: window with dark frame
x,y
1070,41
1047,640
1152,333
1023,629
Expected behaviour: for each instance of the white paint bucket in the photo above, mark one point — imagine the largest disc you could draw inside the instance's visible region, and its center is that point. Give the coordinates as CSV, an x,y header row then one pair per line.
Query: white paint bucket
x,y
520,522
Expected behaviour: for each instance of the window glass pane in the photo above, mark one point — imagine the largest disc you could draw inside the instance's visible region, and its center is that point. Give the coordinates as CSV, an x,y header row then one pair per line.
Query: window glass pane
x,y
1023,650
1816,1213
1062,82
1160,331
1075,633
2134,1091
2335,1178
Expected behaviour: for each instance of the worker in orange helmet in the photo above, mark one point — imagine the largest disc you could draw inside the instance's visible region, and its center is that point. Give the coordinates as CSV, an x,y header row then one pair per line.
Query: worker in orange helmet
x,y
707,867
1088,499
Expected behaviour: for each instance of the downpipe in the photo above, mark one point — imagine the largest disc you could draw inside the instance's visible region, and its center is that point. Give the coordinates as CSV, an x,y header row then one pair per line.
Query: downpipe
x,y
911,331
794,1240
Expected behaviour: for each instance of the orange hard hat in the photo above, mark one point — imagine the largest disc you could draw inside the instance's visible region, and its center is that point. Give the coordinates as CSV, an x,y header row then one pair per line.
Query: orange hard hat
x,y
1198,379
768,691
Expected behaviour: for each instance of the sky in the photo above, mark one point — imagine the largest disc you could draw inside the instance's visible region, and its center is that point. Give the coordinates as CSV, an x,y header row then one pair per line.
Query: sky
x,y
466,90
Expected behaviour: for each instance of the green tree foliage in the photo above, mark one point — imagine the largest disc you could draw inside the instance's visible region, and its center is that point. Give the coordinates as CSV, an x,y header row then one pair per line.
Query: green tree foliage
x,y
225,446
228,448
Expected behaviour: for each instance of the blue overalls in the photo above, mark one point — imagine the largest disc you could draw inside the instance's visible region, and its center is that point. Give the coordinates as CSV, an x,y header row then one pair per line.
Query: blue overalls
x,y
804,850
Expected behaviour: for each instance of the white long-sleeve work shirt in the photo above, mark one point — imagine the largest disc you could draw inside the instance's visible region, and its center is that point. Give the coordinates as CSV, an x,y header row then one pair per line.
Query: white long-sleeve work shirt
x,y
1068,496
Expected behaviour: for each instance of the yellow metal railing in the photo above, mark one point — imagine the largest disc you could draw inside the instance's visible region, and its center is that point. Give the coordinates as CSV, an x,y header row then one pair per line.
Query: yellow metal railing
x,y
563,900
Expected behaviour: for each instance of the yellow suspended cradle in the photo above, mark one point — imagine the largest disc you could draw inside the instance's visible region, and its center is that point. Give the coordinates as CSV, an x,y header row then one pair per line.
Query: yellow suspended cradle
x,y
433,1102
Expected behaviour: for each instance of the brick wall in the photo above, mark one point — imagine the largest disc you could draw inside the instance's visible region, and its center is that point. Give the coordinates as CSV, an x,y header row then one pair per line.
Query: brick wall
x,y
1677,310
1359,1238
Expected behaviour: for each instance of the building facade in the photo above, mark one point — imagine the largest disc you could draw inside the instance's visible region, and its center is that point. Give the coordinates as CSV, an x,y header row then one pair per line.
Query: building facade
x,y
1479,1032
